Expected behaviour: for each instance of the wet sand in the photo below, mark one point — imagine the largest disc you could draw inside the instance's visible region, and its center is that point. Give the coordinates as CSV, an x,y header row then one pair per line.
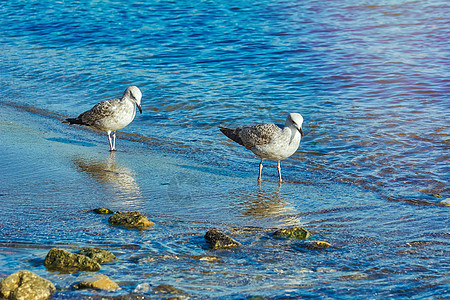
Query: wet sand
x,y
77,164
54,174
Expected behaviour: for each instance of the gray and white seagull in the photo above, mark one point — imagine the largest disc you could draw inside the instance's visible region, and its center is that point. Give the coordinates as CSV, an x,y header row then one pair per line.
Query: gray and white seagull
x,y
111,115
268,141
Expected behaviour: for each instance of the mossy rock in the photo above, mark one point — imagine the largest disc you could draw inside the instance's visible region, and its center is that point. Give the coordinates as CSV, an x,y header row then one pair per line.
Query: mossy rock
x,y
133,219
67,262
317,244
293,233
99,255
103,211
26,285
219,240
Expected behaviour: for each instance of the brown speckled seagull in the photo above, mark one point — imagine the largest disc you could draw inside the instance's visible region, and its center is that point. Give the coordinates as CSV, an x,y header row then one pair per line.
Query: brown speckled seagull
x,y
111,115
268,141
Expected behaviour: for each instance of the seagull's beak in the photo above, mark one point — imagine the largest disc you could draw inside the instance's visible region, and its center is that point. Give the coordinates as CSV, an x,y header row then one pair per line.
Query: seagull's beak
x,y
139,107
301,131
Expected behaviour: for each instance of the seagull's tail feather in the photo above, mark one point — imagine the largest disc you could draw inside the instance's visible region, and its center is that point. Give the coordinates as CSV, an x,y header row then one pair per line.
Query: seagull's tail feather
x,y
232,134
73,121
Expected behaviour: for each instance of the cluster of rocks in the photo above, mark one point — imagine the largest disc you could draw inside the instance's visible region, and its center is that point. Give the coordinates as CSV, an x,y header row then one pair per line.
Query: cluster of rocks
x,y
220,241
89,260
28,285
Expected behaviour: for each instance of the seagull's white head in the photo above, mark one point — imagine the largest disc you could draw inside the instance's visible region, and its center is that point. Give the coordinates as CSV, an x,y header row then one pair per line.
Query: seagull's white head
x,y
296,120
133,93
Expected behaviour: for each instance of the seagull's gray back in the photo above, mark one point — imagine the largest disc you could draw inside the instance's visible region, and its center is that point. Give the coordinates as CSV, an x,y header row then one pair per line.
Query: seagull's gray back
x,y
101,110
109,115
259,134
268,141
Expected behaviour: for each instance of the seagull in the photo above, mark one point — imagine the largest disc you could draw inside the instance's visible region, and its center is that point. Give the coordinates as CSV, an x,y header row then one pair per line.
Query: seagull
x,y
268,141
111,115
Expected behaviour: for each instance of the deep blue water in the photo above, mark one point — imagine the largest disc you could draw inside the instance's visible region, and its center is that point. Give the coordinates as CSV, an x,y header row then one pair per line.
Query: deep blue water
x,y
371,79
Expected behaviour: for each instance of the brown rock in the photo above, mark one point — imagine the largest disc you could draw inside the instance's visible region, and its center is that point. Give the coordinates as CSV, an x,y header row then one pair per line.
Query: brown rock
x,y
98,282
219,240
318,244
445,202
25,285
167,289
131,219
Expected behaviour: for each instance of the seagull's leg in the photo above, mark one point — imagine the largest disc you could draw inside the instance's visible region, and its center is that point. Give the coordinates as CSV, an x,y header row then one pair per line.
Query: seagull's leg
x,y
114,141
111,148
260,169
279,171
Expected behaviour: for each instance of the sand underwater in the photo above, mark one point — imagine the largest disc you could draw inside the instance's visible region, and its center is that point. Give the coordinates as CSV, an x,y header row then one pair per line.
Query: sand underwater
x,y
53,175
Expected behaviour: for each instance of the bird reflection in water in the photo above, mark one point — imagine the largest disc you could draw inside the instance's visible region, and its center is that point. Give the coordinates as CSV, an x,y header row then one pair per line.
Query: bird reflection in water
x,y
266,203
115,177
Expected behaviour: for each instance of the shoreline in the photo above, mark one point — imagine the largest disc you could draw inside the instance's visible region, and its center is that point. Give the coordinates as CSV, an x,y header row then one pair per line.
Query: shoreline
x,y
54,175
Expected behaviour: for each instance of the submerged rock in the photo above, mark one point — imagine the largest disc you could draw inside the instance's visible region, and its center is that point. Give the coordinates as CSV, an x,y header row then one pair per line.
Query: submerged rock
x,y
98,282
425,243
445,202
133,219
99,255
142,288
67,262
219,240
167,289
293,232
318,244
103,211
208,258
25,285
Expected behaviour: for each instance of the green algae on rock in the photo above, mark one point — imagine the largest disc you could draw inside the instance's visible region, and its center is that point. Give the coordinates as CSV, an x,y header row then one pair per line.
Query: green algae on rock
x,y
218,240
26,285
98,282
317,244
293,232
101,256
67,262
103,211
133,219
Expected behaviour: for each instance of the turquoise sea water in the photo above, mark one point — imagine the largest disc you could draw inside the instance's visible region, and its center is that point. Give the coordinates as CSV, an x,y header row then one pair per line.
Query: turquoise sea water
x,y
371,80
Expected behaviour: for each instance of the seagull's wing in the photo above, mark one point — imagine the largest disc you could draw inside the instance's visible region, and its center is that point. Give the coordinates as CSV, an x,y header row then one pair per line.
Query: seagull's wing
x,y
233,134
259,134
99,111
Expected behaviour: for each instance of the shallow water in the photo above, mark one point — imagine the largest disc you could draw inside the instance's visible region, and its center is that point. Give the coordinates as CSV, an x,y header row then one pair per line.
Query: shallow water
x,y
380,249
371,81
